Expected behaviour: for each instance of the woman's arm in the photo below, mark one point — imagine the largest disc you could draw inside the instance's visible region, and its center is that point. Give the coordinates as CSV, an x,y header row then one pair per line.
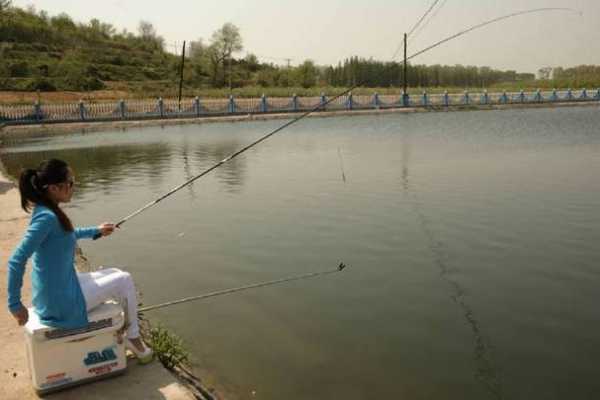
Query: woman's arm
x,y
86,233
89,232
40,226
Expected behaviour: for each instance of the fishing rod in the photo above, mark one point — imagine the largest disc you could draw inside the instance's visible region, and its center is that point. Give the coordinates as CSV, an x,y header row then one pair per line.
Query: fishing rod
x,y
339,268
489,22
320,106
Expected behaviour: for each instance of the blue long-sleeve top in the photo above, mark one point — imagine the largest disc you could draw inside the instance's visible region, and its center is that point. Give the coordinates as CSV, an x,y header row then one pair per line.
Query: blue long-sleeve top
x,y
57,296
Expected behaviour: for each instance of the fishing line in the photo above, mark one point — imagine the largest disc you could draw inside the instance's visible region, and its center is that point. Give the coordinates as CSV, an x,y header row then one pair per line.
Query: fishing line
x,y
321,106
431,18
341,165
423,17
339,268
491,21
486,371
415,27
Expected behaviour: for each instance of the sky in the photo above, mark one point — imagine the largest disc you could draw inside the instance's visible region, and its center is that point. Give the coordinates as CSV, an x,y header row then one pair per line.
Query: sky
x,y
328,31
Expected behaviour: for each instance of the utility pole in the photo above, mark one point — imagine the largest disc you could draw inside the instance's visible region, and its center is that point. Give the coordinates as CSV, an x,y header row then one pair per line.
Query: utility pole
x,y
181,74
230,72
288,71
405,83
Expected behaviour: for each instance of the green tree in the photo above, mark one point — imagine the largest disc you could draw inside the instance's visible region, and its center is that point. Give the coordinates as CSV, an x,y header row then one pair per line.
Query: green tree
x,y
62,22
146,30
306,74
99,28
199,60
4,5
149,36
251,62
224,43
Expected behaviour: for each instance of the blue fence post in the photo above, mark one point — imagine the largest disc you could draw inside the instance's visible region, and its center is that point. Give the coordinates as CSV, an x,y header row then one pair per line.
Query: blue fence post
x,y
376,100
231,106
122,108
349,103
197,105
569,94
81,110
405,99
263,103
446,98
425,99
323,100
161,107
37,110
295,102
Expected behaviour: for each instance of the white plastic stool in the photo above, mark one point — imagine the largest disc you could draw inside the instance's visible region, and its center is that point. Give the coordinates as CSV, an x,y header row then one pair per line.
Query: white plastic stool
x,y
60,358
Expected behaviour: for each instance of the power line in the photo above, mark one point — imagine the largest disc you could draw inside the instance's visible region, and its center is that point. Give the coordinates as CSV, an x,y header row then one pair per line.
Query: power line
x,y
288,60
423,17
431,17
415,27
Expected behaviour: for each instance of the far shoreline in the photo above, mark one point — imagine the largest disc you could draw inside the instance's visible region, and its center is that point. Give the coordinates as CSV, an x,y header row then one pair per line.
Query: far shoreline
x,y
18,132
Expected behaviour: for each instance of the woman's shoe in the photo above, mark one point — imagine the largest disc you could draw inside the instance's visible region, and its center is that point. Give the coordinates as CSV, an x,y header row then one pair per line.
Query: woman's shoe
x,y
144,357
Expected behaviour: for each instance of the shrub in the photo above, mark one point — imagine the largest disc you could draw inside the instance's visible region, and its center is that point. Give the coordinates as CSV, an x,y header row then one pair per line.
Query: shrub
x,y
19,69
168,347
41,84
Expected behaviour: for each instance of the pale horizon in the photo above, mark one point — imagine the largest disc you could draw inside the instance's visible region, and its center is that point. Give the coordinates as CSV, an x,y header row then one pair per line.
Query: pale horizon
x,y
330,32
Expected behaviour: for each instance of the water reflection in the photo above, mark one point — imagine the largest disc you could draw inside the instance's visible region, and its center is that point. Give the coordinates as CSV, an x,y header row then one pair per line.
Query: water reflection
x,y
111,168
232,173
103,167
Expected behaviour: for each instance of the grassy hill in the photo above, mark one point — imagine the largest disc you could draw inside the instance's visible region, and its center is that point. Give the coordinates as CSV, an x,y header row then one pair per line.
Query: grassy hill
x,y
55,53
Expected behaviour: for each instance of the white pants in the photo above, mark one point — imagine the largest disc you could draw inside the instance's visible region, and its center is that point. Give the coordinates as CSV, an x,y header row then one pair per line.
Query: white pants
x,y
111,283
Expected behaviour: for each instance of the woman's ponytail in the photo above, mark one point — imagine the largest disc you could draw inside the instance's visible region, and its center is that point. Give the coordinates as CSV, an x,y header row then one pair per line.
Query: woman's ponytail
x,y
33,185
28,187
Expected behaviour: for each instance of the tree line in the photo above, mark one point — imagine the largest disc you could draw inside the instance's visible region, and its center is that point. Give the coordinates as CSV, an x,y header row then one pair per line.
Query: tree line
x,y
374,73
39,51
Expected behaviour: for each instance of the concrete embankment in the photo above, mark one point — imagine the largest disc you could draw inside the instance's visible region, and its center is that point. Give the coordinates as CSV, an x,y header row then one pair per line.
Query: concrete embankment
x,y
151,381
12,132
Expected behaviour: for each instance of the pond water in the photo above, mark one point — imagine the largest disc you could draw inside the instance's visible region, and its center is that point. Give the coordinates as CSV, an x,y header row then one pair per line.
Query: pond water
x,y
472,241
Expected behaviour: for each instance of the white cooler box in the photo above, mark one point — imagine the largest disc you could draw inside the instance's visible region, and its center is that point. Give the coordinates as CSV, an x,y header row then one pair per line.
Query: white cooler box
x,y
59,358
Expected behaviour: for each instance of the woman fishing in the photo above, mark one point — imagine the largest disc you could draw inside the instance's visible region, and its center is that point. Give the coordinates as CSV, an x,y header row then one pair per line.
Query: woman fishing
x,y
62,297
